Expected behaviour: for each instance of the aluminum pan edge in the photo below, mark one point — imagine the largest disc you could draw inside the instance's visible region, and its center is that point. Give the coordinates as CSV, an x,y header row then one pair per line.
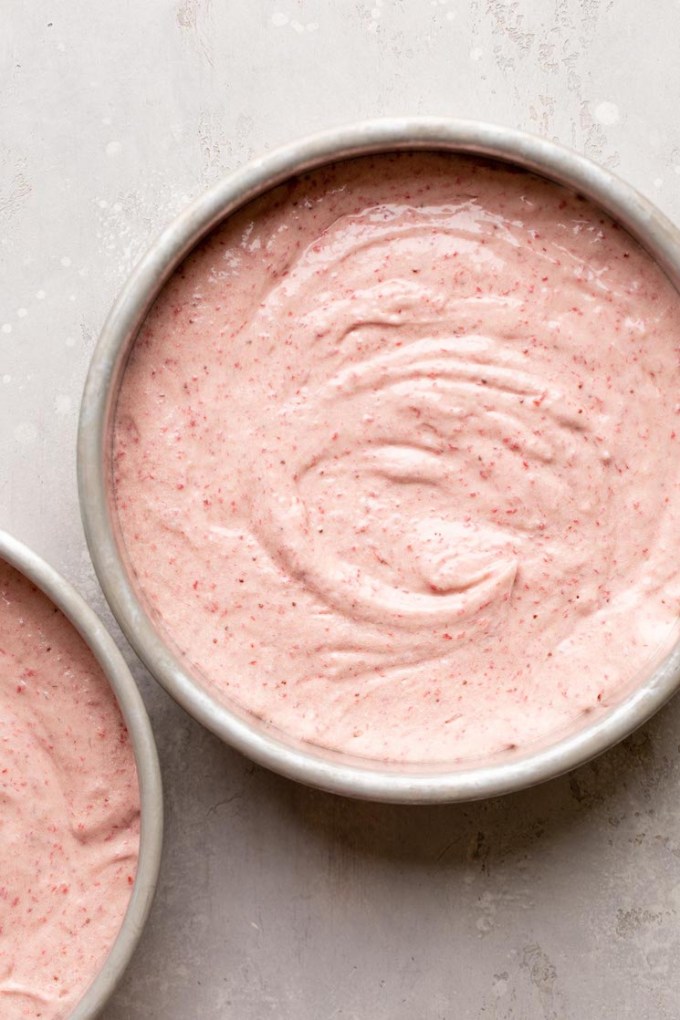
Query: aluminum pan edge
x,y
105,650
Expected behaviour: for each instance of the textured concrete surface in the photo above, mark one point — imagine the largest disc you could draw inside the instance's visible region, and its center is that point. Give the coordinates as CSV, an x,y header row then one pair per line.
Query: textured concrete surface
x,y
275,901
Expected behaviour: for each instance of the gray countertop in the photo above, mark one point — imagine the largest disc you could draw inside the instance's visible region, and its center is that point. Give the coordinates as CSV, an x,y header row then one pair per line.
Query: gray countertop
x,y
276,901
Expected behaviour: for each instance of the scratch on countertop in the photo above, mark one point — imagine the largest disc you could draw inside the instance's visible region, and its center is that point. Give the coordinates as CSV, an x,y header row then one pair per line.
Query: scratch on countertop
x,y
543,976
13,195
194,17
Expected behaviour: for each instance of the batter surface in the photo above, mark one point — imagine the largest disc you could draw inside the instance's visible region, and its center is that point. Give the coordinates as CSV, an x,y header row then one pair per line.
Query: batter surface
x,y
69,809
396,459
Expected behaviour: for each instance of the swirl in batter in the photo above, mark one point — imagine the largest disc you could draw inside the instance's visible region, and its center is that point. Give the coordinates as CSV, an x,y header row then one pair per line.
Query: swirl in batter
x,y
396,459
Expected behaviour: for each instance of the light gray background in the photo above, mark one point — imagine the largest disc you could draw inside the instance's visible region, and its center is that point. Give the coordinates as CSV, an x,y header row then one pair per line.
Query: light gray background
x,y
275,901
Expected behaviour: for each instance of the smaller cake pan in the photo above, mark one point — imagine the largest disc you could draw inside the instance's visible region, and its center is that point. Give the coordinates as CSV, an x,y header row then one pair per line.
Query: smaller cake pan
x,y
107,654
306,763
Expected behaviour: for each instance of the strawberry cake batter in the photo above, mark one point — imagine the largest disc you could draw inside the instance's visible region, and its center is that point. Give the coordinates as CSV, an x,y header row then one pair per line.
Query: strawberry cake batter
x,y
69,818
396,459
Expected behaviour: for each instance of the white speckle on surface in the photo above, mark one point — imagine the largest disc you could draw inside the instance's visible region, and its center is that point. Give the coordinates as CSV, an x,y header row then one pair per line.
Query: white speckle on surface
x,y
375,14
607,113
117,207
102,203
40,294
26,433
297,26
7,327
658,181
62,403
476,53
113,148
312,26
71,297
279,19
65,261
6,379
450,15
21,313
70,341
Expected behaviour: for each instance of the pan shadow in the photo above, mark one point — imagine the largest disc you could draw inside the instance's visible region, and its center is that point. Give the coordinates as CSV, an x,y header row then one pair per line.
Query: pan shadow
x,y
497,828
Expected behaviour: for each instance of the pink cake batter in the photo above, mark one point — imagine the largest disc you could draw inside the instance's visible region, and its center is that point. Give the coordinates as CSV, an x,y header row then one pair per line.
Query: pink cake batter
x,y
69,819
396,459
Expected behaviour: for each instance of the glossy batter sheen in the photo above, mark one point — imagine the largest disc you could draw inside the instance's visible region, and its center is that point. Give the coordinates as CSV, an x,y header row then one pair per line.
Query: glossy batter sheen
x,y
69,809
396,459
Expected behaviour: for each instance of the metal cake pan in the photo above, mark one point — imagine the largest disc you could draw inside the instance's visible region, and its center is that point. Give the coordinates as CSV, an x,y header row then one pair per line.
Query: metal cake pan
x,y
107,654
309,763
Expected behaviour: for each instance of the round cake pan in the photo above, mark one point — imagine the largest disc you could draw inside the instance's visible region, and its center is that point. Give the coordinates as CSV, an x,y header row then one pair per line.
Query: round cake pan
x,y
307,763
105,651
